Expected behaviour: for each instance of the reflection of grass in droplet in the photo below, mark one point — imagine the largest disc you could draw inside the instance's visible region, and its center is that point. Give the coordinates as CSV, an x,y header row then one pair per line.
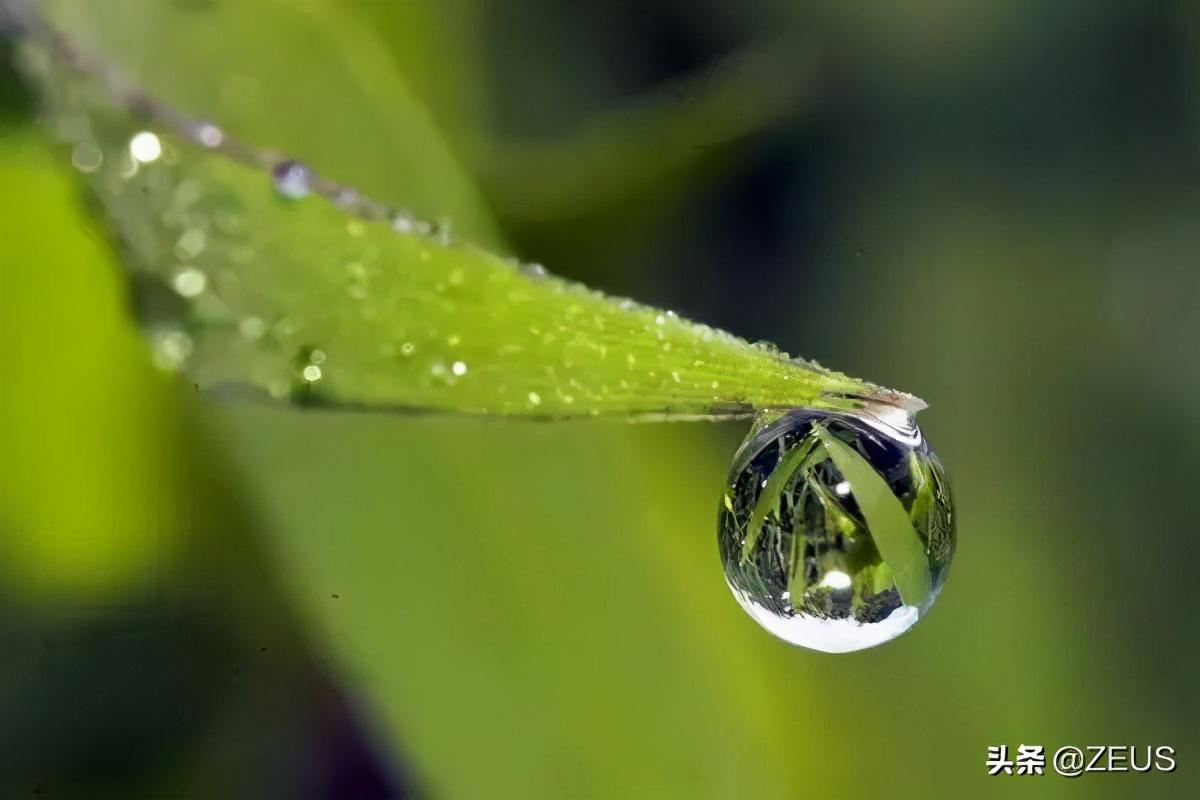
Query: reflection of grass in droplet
x,y
928,510
889,523
768,499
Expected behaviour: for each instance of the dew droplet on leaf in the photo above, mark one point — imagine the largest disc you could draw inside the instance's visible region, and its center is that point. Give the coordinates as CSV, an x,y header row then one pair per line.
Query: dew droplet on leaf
x,y
190,282
145,147
86,158
293,180
209,135
836,531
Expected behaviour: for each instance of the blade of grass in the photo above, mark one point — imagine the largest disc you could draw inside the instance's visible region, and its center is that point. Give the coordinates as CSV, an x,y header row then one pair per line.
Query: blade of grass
x,y
349,304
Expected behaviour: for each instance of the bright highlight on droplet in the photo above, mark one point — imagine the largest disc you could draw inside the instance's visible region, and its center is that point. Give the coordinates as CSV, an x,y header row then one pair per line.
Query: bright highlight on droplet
x,y
836,580
311,373
145,147
459,368
836,530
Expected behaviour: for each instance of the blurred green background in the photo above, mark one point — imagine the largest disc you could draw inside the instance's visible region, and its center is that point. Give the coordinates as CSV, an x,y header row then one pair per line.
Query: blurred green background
x,y
995,205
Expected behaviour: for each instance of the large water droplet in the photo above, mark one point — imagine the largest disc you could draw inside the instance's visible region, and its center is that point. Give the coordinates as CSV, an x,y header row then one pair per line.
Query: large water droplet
x,y
836,531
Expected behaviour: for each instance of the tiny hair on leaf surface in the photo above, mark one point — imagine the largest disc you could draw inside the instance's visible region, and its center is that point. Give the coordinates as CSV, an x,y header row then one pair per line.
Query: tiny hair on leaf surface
x,y
258,275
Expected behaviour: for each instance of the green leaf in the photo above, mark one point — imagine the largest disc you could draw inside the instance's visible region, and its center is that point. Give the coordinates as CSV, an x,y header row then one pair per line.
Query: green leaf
x,y
892,530
300,300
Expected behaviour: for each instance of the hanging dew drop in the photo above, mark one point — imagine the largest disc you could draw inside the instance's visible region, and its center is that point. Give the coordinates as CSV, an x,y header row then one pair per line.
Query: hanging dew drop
x,y
836,531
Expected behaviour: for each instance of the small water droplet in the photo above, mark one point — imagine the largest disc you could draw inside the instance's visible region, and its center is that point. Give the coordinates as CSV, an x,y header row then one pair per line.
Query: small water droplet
x,y
209,135
534,270
317,357
834,534
145,147
293,180
312,373
459,368
535,399
190,282
403,222
407,349
171,348
86,158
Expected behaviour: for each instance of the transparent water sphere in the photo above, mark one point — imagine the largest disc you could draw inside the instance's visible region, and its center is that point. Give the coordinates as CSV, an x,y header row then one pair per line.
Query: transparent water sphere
x,y
836,530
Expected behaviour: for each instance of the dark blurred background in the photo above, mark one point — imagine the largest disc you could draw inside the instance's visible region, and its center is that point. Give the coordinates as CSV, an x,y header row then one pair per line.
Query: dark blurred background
x,y
995,205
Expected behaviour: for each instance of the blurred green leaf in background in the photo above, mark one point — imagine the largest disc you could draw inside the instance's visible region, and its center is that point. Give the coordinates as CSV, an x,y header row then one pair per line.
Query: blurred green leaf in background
x,y
992,204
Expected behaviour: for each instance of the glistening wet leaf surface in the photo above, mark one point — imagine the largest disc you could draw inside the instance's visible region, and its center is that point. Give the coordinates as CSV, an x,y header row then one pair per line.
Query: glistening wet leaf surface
x,y
246,279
